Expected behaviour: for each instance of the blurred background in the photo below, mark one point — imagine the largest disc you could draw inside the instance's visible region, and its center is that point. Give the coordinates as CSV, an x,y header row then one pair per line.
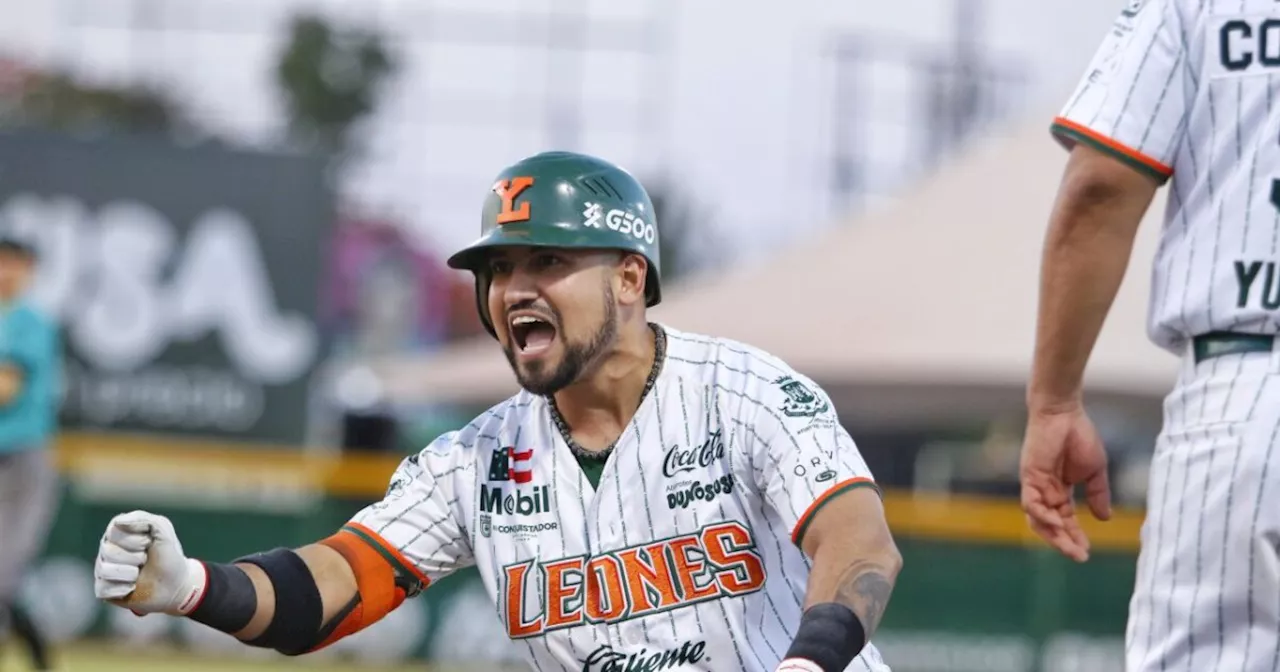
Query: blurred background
x,y
242,208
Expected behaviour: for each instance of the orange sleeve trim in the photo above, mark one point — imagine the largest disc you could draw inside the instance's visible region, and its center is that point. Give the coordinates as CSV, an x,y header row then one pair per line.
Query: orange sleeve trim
x,y
1130,155
388,552
802,525
381,586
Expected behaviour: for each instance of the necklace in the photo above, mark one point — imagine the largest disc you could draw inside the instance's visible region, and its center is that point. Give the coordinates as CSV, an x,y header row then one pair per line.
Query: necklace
x,y
659,355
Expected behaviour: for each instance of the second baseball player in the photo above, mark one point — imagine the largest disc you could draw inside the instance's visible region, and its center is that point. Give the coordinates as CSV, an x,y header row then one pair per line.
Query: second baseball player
x,y
1183,93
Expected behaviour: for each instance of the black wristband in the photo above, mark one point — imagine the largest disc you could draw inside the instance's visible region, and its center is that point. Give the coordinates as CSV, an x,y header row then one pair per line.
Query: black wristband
x,y
229,600
830,635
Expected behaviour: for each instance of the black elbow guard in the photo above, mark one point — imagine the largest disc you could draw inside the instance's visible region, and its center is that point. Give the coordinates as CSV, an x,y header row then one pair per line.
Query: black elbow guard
x,y
299,612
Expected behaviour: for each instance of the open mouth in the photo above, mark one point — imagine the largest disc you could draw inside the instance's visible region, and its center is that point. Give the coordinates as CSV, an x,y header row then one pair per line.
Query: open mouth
x,y
531,334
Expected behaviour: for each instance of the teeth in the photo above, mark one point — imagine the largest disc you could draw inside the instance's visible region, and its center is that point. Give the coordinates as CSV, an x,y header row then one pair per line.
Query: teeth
x,y
525,319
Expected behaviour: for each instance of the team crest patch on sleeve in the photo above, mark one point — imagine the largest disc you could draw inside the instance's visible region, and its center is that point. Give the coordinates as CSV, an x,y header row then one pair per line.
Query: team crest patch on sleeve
x,y
801,401
1133,8
394,490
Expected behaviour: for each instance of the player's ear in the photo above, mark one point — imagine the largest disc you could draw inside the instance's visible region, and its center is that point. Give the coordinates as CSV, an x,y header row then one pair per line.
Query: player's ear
x,y
631,271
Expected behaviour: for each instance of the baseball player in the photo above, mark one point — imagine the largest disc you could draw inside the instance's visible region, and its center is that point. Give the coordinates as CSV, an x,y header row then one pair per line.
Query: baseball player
x,y
30,371
1182,92
651,500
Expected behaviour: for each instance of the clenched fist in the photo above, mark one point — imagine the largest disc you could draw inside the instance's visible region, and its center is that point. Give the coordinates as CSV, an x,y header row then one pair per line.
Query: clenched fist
x,y
140,566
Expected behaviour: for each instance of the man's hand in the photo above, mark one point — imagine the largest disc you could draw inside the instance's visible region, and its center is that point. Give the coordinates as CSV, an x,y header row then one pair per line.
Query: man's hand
x,y
1095,219
141,566
1061,449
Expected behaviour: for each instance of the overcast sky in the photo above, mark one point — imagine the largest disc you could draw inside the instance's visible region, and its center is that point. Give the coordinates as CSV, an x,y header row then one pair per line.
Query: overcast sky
x,y
733,99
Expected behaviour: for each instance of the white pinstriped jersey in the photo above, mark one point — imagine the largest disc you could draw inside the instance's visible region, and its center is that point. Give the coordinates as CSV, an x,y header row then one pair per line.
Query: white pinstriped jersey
x,y
1188,89
684,556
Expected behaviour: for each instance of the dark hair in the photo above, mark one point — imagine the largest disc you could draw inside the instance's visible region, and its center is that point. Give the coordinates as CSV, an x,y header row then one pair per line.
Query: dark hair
x,y
16,246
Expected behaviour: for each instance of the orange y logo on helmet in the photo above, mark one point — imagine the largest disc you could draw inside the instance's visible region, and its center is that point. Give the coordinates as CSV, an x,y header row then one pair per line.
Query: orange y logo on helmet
x,y
508,190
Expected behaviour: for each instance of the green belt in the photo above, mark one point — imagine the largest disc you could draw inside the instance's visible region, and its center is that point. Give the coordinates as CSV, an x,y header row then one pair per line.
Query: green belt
x,y
1218,343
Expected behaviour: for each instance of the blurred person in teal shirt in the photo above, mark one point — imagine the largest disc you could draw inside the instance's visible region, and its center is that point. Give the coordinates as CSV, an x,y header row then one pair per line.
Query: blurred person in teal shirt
x,y
30,378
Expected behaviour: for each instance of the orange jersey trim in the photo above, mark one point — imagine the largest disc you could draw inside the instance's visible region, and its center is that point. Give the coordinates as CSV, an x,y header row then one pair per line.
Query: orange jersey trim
x,y
802,525
388,551
1130,155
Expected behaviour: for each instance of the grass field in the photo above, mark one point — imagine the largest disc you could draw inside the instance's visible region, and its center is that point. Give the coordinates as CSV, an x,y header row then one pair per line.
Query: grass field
x,y
105,657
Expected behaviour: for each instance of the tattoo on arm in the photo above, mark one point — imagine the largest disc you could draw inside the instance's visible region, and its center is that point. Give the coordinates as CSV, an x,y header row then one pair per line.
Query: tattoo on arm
x,y
864,588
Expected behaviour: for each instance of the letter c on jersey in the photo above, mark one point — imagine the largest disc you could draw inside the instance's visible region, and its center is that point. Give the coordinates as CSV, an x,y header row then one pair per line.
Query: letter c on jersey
x,y
1237,46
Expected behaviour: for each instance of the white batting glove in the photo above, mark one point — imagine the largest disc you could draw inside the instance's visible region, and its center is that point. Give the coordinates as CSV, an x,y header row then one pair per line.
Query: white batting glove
x,y
797,665
140,566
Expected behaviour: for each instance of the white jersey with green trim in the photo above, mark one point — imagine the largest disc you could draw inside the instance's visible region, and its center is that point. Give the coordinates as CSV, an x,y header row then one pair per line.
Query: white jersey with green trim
x,y
1187,89
683,556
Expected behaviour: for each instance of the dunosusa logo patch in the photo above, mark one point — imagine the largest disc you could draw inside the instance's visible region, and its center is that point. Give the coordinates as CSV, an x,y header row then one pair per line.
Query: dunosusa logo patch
x,y
605,659
687,459
699,491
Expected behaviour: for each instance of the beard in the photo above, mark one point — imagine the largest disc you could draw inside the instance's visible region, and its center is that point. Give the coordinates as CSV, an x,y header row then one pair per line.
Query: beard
x,y
538,379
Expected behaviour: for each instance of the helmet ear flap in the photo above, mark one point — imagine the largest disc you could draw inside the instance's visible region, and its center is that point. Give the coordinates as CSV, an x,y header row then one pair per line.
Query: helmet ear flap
x,y
483,280
652,290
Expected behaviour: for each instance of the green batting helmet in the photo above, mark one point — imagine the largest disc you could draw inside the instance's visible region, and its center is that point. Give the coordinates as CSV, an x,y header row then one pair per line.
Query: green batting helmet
x,y
566,200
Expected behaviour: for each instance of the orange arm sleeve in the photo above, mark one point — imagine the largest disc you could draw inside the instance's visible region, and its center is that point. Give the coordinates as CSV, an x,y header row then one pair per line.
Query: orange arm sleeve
x,y
384,579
